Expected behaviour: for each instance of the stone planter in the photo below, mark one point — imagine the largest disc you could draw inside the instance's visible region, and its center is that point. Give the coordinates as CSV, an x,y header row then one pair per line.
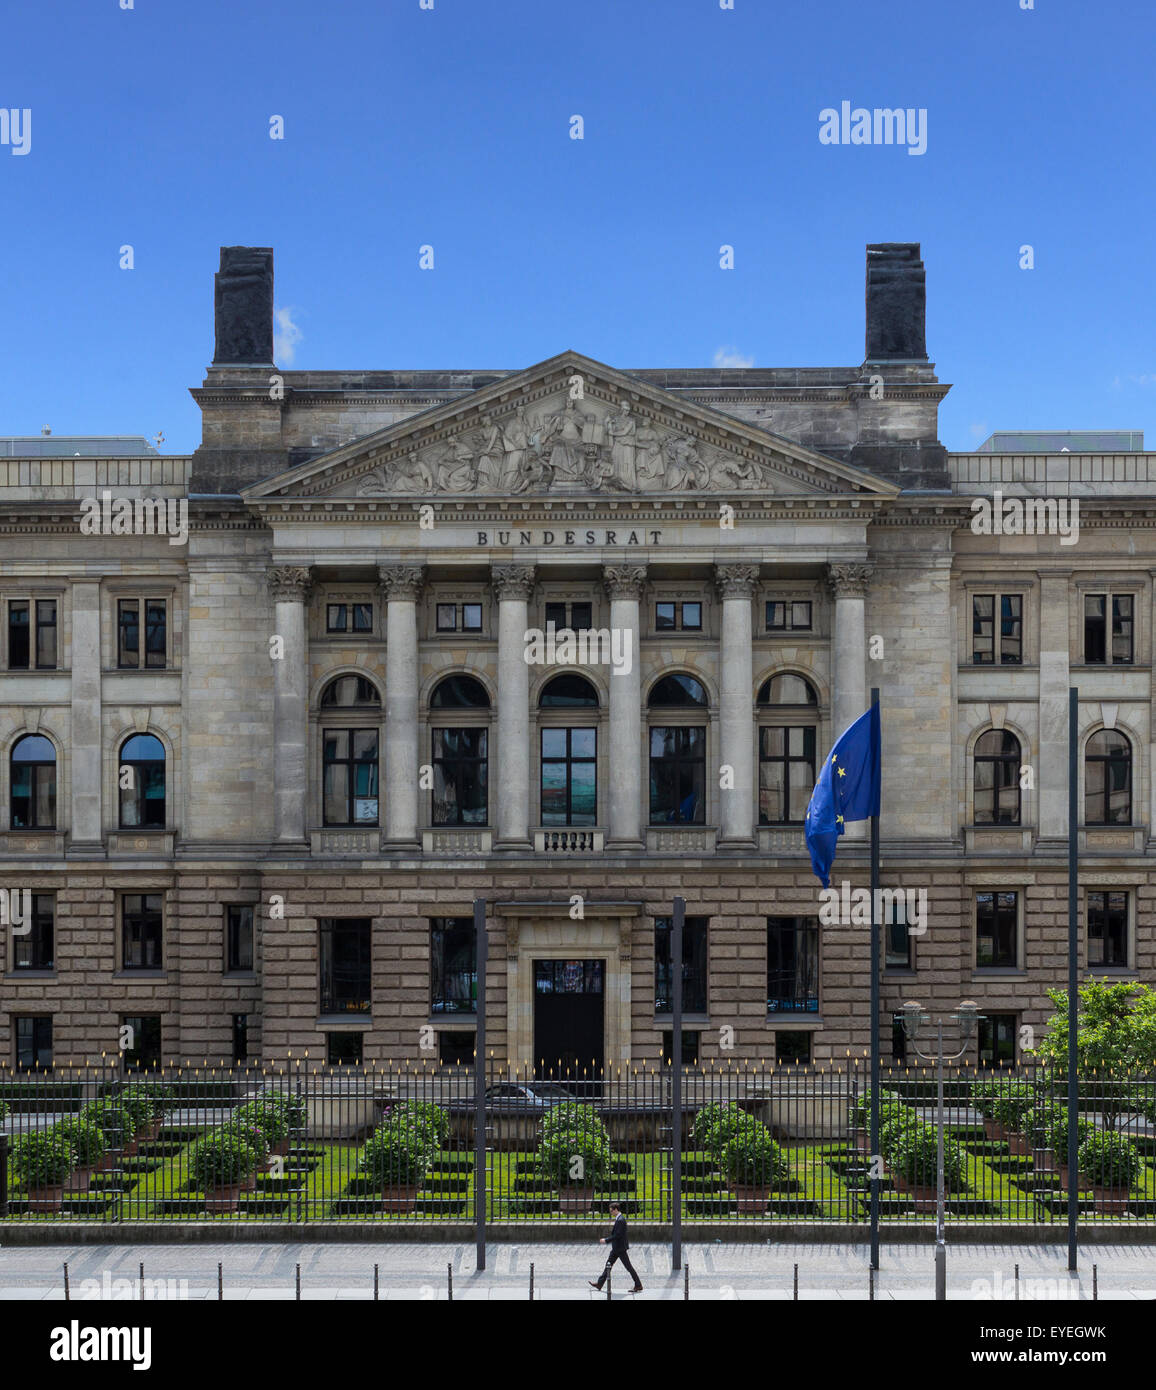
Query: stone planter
x,y
750,1201
1044,1161
923,1198
399,1199
994,1129
1017,1142
225,1198
45,1198
576,1199
1112,1201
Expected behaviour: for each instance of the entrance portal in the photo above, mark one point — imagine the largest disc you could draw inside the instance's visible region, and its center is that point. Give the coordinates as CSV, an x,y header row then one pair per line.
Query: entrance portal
x,y
568,1019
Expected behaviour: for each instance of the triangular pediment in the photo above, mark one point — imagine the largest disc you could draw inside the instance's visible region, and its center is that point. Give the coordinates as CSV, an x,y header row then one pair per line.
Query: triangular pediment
x,y
569,426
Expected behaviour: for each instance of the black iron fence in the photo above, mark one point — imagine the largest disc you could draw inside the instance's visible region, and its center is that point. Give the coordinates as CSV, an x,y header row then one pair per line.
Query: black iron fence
x,y
303,1143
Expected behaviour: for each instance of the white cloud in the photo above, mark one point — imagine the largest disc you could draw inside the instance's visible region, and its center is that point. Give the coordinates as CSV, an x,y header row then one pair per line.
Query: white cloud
x,y
286,336
732,357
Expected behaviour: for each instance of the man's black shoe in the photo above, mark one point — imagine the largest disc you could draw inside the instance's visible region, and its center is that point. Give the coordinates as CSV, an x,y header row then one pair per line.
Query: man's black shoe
x,y
593,1285
636,1289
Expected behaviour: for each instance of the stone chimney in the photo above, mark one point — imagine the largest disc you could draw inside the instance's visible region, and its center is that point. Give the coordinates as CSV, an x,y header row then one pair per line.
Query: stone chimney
x,y
896,303
243,307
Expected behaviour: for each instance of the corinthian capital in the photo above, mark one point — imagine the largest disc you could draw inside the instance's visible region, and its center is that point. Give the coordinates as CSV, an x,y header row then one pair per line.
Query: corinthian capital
x,y
401,581
513,581
736,581
288,583
849,581
624,581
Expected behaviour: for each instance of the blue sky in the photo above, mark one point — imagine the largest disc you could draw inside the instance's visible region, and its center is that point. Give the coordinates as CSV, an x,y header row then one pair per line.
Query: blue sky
x,y
450,127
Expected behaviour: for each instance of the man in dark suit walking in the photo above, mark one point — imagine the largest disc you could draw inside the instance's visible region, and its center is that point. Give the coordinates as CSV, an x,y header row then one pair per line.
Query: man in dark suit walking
x,y
618,1249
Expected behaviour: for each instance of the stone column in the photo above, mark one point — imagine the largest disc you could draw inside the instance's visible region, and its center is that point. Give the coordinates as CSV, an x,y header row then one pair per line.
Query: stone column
x,y
736,585
1055,678
85,828
401,586
513,585
624,584
849,585
289,588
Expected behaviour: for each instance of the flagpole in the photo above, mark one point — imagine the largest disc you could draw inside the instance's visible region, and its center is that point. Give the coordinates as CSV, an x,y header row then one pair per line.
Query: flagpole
x,y
875,1020
1073,970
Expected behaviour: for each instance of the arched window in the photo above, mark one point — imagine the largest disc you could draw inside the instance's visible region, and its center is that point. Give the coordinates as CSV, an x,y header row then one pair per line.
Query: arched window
x,y
678,753
349,752
997,778
1108,779
459,692
568,692
788,728
460,755
678,691
142,783
569,755
33,782
347,692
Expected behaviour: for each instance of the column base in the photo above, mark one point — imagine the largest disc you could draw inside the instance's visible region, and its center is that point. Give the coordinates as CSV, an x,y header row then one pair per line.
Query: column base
x,y
525,846
409,847
85,849
625,846
736,842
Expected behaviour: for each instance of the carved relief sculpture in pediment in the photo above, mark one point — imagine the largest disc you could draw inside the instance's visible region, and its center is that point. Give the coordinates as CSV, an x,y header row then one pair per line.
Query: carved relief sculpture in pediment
x,y
583,446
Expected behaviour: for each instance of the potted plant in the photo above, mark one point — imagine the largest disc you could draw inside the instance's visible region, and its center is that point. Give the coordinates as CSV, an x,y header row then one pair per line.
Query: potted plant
x,y
397,1158
88,1148
115,1122
221,1165
145,1107
424,1116
577,1161
1008,1110
891,1107
1112,1163
914,1163
1056,1138
42,1162
753,1164
266,1116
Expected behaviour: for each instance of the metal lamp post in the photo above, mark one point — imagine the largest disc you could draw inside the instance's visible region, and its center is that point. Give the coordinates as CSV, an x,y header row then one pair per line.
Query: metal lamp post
x,y
965,1018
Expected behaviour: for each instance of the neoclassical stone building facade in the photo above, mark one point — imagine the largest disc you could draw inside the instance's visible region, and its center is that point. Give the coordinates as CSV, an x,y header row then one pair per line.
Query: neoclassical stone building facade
x,y
254,781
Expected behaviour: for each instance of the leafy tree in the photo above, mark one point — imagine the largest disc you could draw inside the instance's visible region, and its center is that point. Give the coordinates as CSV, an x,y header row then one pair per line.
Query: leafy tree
x,y
1116,1029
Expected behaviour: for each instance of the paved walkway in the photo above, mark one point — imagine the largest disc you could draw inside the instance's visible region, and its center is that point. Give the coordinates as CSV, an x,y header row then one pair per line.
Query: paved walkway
x,y
717,1271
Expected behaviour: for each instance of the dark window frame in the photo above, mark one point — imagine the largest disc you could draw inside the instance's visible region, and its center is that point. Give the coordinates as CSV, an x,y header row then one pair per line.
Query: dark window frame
x,y
236,929
695,966
788,624
452,943
142,931
1107,925
41,770
1117,758
997,923
152,811
38,621
1005,764
459,769
146,1028
150,654
569,623
36,948
345,988
678,622
1110,635
786,760
994,1032
1002,630
38,1028
793,947
569,760
351,762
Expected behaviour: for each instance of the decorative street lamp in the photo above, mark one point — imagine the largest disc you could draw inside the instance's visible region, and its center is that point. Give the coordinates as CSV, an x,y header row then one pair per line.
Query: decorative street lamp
x,y
965,1019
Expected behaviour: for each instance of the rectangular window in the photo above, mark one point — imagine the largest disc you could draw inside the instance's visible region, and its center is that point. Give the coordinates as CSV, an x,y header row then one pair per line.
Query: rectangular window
x,y
691,1040
471,617
456,1049
349,776
569,776
34,949
345,965
19,646
447,617
556,615
453,966
33,1041
997,1040
238,937
792,965
129,636
786,774
337,617
460,776
898,1041
143,1052
344,1049
996,930
671,617
1107,928
578,616
1096,647
788,615
989,647
142,931
678,775
46,634
240,1038
694,966
793,1047
897,938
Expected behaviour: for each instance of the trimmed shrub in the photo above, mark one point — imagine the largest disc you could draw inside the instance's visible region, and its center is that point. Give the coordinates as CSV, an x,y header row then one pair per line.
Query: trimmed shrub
x,y
222,1159
914,1158
1047,1127
1109,1160
44,1158
892,1130
575,1157
114,1120
890,1107
571,1117
422,1115
751,1158
1010,1108
266,1115
730,1123
397,1155
704,1121
86,1138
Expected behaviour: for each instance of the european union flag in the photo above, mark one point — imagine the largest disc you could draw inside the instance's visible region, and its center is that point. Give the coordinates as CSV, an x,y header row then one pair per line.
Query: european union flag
x,y
847,790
